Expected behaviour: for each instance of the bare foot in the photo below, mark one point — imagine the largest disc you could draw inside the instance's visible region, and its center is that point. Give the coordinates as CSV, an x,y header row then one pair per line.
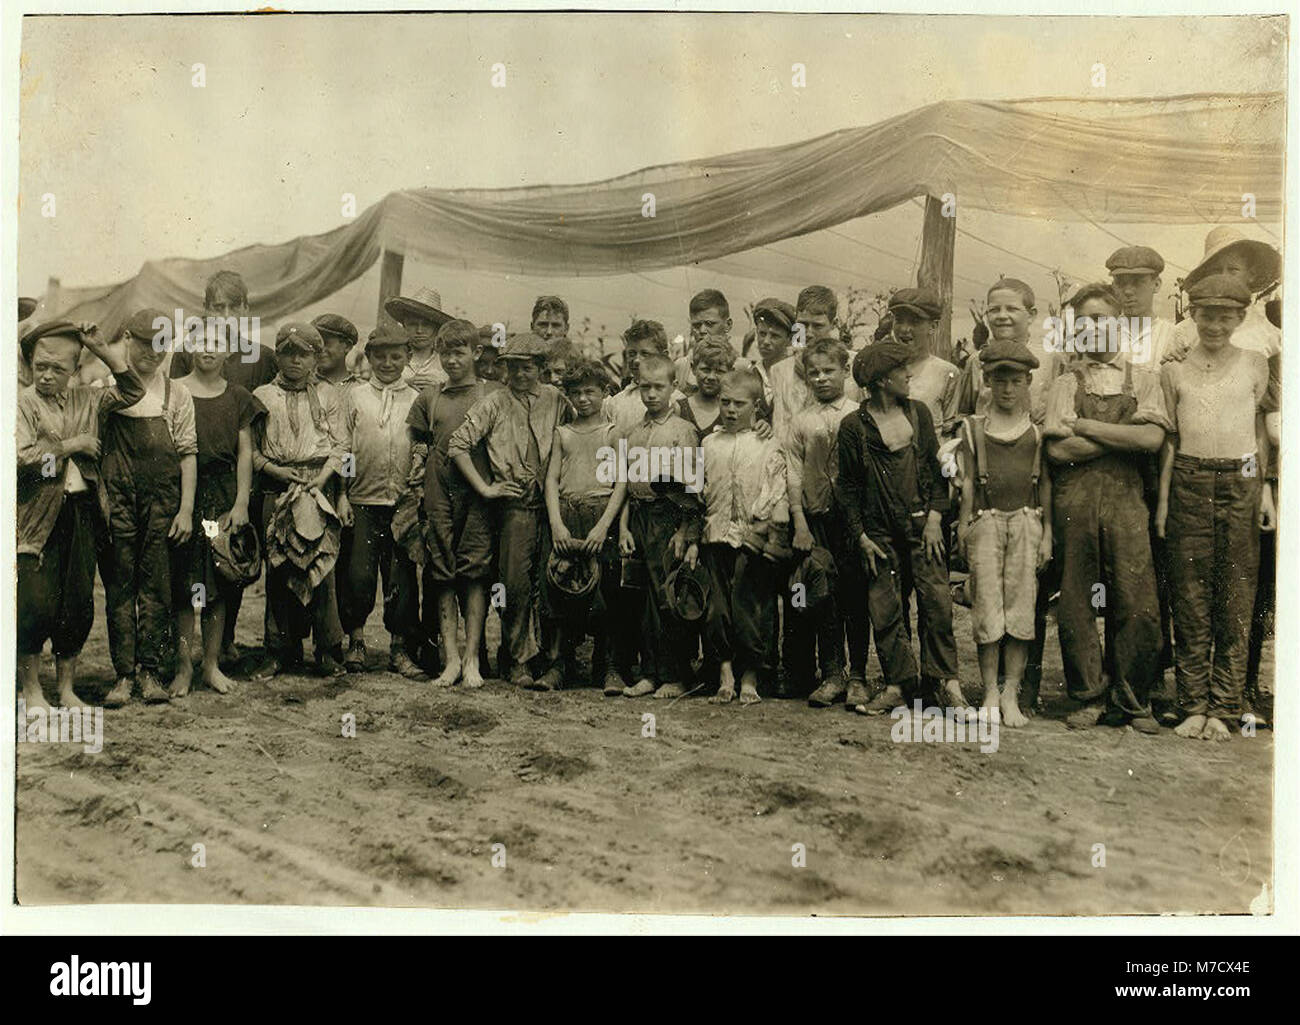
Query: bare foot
x,y
749,694
669,690
449,675
1216,730
1009,707
1191,727
215,679
991,698
726,694
67,699
184,677
470,676
951,693
642,688
34,698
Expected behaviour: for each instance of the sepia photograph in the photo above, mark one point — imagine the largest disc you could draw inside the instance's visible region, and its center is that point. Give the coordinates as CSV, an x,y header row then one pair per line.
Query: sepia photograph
x,y
725,463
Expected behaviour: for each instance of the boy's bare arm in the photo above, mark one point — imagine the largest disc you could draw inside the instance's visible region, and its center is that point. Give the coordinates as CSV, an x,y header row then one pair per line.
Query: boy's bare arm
x,y
183,522
551,491
1121,437
1167,451
1074,449
243,478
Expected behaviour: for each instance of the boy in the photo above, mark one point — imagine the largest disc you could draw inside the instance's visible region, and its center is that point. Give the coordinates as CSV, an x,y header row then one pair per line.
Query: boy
x,y
147,471
1004,527
457,527
582,505
421,315
915,311
338,336
893,495
1212,503
58,517
815,315
485,362
299,452
658,524
518,424
625,409
550,319
810,470
1104,417
710,318
374,433
251,363
710,360
744,496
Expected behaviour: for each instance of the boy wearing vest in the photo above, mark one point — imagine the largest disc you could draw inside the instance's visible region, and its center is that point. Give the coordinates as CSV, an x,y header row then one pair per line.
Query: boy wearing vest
x,y
1104,417
147,471
1004,527
1212,501
894,494
58,516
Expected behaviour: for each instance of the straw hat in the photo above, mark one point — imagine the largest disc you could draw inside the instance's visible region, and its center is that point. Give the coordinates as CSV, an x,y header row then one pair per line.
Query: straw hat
x,y
424,302
1265,261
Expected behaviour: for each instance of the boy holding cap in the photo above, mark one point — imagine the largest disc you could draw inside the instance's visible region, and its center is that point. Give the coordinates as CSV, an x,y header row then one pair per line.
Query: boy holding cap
x,y
298,446
338,337
1004,528
147,470
58,517
517,423
375,435
1212,504
894,494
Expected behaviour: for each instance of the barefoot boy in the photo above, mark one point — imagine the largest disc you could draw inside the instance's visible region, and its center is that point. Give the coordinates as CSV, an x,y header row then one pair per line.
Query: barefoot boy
x,y
1004,527
147,471
457,527
744,496
1212,500
58,517
583,503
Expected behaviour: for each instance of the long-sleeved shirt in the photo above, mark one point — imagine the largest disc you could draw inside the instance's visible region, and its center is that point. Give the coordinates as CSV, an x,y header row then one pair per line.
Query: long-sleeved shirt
x,y
519,430
659,447
879,490
791,394
290,436
934,382
743,485
810,460
43,479
625,410
376,436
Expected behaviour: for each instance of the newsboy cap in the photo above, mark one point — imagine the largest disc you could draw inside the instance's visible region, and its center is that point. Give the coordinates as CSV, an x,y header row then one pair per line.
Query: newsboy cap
x,y
339,327
877,360
1007,353
300,335
775,309
920,301
1135,260
1220,290
526,345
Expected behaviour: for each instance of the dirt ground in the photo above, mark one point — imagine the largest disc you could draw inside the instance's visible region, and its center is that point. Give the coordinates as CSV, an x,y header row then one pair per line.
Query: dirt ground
x,y
703,817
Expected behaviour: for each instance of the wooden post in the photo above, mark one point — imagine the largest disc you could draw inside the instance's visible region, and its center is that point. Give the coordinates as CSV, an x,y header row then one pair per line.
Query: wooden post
x,y
390,282
938,244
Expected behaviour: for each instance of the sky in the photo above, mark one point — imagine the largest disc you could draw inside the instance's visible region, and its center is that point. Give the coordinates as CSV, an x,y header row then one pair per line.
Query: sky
x,y
298,110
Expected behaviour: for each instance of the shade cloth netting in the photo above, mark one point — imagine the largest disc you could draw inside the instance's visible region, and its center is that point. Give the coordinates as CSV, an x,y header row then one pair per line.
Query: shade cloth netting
x,y
1174,160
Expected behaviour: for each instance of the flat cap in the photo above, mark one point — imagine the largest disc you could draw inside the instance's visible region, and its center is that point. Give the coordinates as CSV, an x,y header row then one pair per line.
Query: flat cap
x,y
1007,353
1135,260
879,359
775,309
526,345
387,335
144,326
26,307
1220,290
920,301
339,327
296,333
50,329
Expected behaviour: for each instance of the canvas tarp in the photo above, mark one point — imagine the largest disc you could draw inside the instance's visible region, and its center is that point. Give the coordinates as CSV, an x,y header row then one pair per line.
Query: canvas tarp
x,y
1173,160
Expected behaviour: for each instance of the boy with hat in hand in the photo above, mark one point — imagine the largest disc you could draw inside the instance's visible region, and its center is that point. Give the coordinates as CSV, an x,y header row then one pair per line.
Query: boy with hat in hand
x,y
375,435
1004,527
518,424
1212,503
744,499
338,337
421,315
894,494
299,448
58,516
147,473
1105,416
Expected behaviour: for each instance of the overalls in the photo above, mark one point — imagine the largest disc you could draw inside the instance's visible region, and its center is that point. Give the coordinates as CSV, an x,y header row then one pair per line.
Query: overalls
x,y
1100,519
141,475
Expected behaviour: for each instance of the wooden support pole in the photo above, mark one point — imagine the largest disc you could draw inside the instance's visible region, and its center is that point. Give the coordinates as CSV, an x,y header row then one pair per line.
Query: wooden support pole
x,y
938,244
390,282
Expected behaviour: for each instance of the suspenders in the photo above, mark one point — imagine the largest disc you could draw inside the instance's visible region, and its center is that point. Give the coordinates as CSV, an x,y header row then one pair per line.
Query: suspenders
x,y
975,438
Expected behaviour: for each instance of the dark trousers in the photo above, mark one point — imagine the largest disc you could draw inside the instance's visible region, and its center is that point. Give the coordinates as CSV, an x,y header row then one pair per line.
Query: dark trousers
x,y
842,620
137,584
289,621
1265,599
56,589
665,654
519,542
741,608
1214,540
907,569
367,555
1101,522
235,596
575,618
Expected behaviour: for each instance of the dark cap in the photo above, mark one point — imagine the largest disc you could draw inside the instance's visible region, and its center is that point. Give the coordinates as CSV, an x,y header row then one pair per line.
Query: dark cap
x,y
920,301
296,334
387,336
50,329
1007,353
879,359
143,326
526,345
1220,290
1135,260
26,307
339,327
775,309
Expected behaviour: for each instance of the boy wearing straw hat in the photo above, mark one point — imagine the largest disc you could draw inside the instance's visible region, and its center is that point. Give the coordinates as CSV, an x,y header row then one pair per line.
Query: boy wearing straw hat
x,y
421,315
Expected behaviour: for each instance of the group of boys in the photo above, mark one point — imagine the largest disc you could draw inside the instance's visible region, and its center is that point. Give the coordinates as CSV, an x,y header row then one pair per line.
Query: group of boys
x,y
787,506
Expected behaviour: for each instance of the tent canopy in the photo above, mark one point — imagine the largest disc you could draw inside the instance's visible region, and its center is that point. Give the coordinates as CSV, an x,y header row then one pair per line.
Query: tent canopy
x,y
1172,160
